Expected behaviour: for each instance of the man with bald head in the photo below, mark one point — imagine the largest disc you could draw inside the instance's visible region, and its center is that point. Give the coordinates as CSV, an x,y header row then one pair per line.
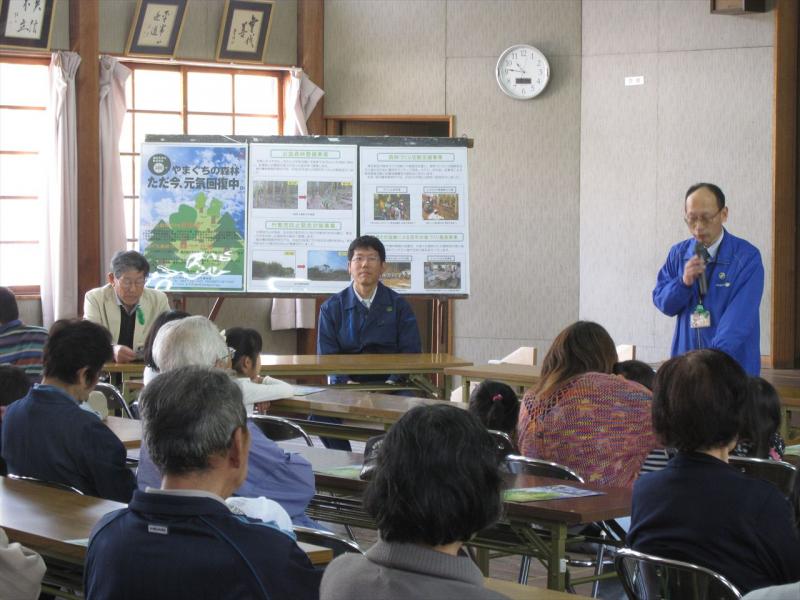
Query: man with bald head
x,y
712,283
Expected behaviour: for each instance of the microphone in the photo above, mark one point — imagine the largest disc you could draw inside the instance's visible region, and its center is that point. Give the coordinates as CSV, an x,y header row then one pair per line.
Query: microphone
x,y
700,250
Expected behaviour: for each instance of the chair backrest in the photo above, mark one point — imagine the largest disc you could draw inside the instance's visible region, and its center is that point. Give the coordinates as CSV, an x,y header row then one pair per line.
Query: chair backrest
x,y
782,474
503,442
52,484
524,355
279,429
327,539
648,577
626,352
114,399
539,468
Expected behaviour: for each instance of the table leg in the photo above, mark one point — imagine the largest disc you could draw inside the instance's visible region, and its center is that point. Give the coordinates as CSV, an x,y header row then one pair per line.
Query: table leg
x,y
557,565
482,560
465,385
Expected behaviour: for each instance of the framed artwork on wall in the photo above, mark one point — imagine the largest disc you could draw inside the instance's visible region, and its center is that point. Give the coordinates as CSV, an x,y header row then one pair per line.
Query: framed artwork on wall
x,y
244,30
26,23
156,28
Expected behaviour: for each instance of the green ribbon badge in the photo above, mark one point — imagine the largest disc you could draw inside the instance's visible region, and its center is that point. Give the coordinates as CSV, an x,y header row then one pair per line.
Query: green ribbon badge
x,y
140,315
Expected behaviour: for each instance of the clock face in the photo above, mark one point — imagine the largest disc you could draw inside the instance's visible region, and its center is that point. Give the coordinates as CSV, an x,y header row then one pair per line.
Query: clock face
x,y
522,72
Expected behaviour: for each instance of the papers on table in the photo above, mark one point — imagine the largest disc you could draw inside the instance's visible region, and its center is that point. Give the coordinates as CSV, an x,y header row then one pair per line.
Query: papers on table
x,y
546,492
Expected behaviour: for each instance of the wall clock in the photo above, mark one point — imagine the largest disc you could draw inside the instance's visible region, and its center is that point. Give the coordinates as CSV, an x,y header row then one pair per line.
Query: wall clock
x,y
522,72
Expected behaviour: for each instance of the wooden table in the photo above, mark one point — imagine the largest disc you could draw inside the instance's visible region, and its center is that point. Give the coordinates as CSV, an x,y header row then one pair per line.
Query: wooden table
x,y
522,376
301,365
516,591
381,410
56,523
129,431
554,516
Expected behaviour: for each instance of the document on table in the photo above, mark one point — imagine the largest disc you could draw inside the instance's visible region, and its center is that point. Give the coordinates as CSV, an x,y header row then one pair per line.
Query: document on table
x,y
546,492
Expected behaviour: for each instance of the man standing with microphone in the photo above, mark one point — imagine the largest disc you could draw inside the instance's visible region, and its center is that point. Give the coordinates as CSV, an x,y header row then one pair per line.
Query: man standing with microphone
x,y
713,283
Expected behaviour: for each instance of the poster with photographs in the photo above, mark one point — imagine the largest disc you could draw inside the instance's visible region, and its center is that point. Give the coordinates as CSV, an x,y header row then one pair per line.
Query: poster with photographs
x,y
415,200
193,199
302,217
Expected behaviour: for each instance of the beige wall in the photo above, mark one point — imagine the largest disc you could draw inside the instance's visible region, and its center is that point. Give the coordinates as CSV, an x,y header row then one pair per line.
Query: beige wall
x,y
703,114
433,57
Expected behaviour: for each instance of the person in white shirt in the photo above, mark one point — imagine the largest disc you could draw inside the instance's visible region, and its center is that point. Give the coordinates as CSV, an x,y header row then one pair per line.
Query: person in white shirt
x,y
21,571
246,345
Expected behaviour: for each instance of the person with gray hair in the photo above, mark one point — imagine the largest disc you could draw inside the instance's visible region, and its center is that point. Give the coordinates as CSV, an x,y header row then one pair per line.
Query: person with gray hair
x,y
124,306
286,478
187,542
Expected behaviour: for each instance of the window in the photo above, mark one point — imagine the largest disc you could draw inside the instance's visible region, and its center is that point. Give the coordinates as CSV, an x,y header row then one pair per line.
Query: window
x,y
22,113
191,100
174,99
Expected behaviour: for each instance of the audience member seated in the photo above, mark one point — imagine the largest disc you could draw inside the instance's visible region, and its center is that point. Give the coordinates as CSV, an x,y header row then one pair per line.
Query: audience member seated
x,y
246,361
496,406
699,508
14,384
760,437
183,540
635,370
46,434
124,306
150,367
284,477
21,571
641,372
435,485
20,345
582,416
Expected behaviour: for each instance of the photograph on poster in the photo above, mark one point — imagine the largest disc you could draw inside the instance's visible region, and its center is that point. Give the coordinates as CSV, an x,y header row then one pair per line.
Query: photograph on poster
x,y
327,265
438,207
275,194
329,195
397,275
442,275
392,207
273,263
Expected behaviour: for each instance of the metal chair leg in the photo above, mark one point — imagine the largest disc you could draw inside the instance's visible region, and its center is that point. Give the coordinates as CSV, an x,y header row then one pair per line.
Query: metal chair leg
x,y
598,569
524,568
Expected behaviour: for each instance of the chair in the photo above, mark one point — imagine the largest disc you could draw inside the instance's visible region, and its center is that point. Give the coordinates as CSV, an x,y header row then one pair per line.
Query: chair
x,y
647,577
116,402
780,473
279,429
327,539
52,484
537,467
505,445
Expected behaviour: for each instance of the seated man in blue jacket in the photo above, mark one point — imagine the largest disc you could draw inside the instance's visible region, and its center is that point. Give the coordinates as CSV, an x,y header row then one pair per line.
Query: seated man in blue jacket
x,y
182,540
281,476
713,284
366,317
48,436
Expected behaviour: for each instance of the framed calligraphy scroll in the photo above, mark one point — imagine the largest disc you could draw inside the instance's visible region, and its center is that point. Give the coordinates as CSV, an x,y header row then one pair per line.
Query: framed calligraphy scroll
x,y
26,23
156,28
244,31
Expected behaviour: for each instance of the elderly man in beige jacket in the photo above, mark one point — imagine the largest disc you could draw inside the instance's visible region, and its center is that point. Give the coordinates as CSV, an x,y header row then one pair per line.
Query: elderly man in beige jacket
x,y
124,306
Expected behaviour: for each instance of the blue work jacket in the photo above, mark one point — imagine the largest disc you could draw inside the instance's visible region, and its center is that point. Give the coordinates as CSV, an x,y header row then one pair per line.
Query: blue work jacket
x,y
347,327
735,285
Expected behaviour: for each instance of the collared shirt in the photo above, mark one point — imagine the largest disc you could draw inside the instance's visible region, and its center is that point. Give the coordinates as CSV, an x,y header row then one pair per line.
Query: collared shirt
x,y
121,304
366,301
712,249
185,493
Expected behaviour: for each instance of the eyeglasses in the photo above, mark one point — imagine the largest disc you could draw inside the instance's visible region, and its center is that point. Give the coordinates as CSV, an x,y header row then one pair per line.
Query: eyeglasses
x,y
229,354
131,283
360,260
703,220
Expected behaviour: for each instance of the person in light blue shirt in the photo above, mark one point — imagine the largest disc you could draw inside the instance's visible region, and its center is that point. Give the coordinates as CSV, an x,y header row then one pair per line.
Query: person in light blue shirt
x,y
724,313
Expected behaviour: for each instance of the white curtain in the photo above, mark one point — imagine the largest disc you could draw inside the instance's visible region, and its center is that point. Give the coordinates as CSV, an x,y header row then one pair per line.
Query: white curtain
x,y
302,96
59,159
113,75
